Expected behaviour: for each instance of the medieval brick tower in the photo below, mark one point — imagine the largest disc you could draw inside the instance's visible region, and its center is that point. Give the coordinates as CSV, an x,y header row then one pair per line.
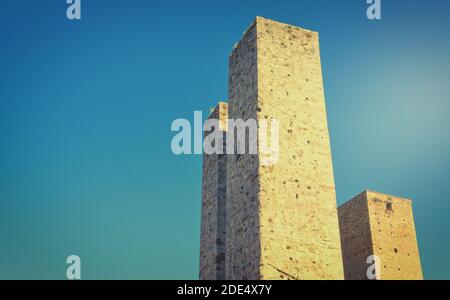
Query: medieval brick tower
x,y
382,225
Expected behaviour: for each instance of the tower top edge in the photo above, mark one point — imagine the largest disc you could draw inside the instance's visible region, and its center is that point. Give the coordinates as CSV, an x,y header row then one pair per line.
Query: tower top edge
x,y
262,20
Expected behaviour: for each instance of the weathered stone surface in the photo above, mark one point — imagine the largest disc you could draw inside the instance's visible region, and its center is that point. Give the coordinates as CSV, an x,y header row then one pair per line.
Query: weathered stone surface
x,y
377,224
212,245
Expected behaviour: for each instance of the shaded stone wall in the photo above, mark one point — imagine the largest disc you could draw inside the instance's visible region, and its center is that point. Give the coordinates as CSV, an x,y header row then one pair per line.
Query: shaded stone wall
x,y
356,237
212,244
243,242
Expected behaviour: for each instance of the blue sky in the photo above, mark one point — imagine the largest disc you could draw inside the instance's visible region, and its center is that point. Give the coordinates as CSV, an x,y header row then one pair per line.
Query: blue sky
x,y
86,107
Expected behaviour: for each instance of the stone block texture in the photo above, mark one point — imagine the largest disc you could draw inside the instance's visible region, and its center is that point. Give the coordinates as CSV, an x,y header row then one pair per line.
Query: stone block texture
x,y
282,219
212,244
377,224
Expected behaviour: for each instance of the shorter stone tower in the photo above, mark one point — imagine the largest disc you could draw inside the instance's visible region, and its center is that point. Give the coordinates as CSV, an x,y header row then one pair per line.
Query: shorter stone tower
x,y
381,225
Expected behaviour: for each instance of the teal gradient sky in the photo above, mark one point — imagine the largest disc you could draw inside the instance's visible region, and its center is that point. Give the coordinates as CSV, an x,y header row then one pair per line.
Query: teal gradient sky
x,y
86,107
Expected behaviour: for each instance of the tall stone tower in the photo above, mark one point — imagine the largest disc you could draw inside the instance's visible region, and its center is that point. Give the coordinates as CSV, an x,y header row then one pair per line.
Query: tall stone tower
x,y
281,219
382,225
212,243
